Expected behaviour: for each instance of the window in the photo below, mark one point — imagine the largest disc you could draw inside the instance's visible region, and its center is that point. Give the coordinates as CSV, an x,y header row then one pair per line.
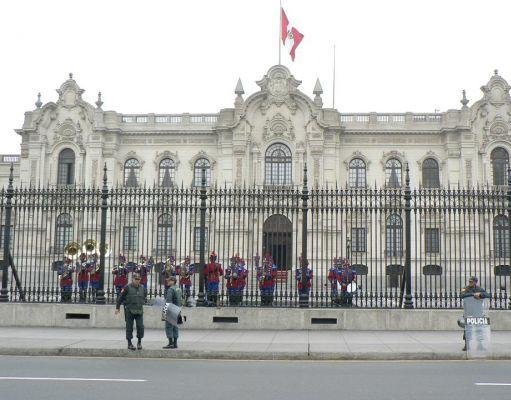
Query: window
x,y
358,240
432,240
394,236
66,168
131,172
500,164
393,173
430,173
167,172
357,173
200,164
196,245
501,236
63,232
277,165
129,238
164,235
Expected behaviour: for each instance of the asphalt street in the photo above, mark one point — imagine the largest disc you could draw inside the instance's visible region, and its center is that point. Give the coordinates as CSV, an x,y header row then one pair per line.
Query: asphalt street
x,y
55,378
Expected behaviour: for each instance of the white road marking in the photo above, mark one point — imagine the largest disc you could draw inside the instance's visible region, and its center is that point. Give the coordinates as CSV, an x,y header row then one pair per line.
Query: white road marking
x,y
30,378
492,384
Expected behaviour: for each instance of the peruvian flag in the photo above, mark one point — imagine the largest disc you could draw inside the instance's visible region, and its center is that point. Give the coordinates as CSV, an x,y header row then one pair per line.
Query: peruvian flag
x,y
291,37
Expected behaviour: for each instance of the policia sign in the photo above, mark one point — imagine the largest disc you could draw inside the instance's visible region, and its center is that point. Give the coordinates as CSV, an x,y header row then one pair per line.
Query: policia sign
x,y
477,328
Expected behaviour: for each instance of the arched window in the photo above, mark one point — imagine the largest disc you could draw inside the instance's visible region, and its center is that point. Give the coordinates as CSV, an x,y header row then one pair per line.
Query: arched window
x,y
357,173
63,232
164,235
131,172
501,236
66,169
430,173
500,164
167,172
393,173
277,165
200,164
394,236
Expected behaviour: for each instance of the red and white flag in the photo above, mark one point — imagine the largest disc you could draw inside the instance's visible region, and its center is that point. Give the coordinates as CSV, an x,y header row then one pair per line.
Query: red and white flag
x,y
291,37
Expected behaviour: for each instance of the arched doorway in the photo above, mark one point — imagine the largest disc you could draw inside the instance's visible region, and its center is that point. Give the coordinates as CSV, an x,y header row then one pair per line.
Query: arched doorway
x,y
277,240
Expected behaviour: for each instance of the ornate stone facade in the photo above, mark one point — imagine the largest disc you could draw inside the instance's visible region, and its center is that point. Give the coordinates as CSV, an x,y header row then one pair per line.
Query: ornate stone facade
x,y
234,141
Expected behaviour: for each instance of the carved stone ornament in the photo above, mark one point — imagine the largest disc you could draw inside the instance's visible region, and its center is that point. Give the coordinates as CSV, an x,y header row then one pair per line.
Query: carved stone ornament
x,y
279,86
69,93
496,91
201,154
131,154
68,131
357,154
499,127
278,127
166,154
433,155
393,154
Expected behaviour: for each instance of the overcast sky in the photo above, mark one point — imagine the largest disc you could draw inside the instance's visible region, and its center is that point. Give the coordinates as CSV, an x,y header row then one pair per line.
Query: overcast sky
x,y
186,56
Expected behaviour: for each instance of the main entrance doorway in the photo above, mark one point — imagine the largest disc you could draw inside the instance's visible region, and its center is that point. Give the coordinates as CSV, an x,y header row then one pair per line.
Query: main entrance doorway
x,y
277,240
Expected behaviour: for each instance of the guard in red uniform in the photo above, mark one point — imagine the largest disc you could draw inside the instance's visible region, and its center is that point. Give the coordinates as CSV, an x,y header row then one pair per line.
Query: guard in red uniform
x,y
185,271
345,278
144,269
266,276
308,279
236,276
212,273
82,276
120,275
66,281
333,277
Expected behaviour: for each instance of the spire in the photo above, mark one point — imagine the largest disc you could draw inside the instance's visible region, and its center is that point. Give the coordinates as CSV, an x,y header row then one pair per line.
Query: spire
x,y
464,101
99,103
38,103
318,91
238,103
70,75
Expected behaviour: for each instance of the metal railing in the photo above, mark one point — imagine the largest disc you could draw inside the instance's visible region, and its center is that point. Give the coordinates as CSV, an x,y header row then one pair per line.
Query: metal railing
x,y
412,248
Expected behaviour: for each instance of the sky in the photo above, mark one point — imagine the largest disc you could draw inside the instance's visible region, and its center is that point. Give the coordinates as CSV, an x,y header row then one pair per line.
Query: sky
x,y
179,56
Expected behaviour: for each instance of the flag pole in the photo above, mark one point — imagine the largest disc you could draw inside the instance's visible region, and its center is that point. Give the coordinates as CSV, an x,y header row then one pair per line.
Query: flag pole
x,y
333,83
280,25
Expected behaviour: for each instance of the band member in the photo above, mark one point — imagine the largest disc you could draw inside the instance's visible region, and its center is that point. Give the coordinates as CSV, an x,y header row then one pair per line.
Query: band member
x,y
144,269
304,289
82,276
66,281
120,275
332,277
472,290
212,273
345,278
266,275
236,276
133,297
185,271
95,275
169,270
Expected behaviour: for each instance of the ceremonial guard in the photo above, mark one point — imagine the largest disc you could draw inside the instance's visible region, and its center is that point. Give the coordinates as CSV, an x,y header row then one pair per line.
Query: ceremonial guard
x,y
169,270
82,276
133,298
346,279
120,273
95,275
185,271
266,276
333,278
472,290
144,269
304,289
212,273
66,280
174,296
236,276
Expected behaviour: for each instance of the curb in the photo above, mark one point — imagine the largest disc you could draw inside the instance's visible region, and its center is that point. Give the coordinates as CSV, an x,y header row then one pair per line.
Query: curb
x,y
243,355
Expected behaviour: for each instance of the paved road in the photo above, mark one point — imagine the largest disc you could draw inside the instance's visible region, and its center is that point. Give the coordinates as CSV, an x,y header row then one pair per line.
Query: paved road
x,y
250,380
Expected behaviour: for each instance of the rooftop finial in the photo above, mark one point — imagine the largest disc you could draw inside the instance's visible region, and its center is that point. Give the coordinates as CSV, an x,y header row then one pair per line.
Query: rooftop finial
x,y
70,75
464,101
38,103
318,91
239,88
99,103
496,71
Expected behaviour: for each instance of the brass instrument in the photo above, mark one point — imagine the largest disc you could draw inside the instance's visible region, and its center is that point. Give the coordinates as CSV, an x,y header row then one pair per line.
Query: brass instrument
x,y
71,250
90,246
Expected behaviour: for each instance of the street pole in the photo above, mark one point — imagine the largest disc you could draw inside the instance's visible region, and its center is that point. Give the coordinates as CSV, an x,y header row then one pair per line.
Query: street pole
x,y
304,295
202,242
408,241
100,295
4,292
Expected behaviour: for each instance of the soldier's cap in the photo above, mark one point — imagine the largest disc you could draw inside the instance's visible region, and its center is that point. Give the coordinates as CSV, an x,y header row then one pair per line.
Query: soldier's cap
x,y
473,278
171,278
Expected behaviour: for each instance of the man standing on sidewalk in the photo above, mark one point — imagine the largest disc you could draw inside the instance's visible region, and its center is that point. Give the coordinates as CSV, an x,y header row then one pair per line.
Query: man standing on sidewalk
x,y
173,296
472,290
133,297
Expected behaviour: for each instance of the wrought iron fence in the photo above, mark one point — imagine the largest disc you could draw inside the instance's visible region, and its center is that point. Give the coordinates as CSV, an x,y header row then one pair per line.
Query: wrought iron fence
x,y
409,248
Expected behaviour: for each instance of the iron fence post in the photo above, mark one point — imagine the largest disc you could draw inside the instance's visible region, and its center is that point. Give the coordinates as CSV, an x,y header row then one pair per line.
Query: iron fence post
x,y
4,292
202,243
100,295
408,240
509,223
304,293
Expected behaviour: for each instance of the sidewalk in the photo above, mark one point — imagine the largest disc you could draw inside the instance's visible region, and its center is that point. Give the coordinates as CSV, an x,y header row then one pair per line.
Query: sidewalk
x,y
254,345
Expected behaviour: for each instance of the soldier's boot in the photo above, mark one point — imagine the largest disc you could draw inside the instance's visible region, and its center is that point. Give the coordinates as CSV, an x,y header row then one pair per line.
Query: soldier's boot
x,y
139,344
170,345
175,343
130,345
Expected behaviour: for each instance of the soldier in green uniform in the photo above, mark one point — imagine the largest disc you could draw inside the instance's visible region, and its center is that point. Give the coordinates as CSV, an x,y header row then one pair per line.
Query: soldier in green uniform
x,y
133,298
472,290
174,296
